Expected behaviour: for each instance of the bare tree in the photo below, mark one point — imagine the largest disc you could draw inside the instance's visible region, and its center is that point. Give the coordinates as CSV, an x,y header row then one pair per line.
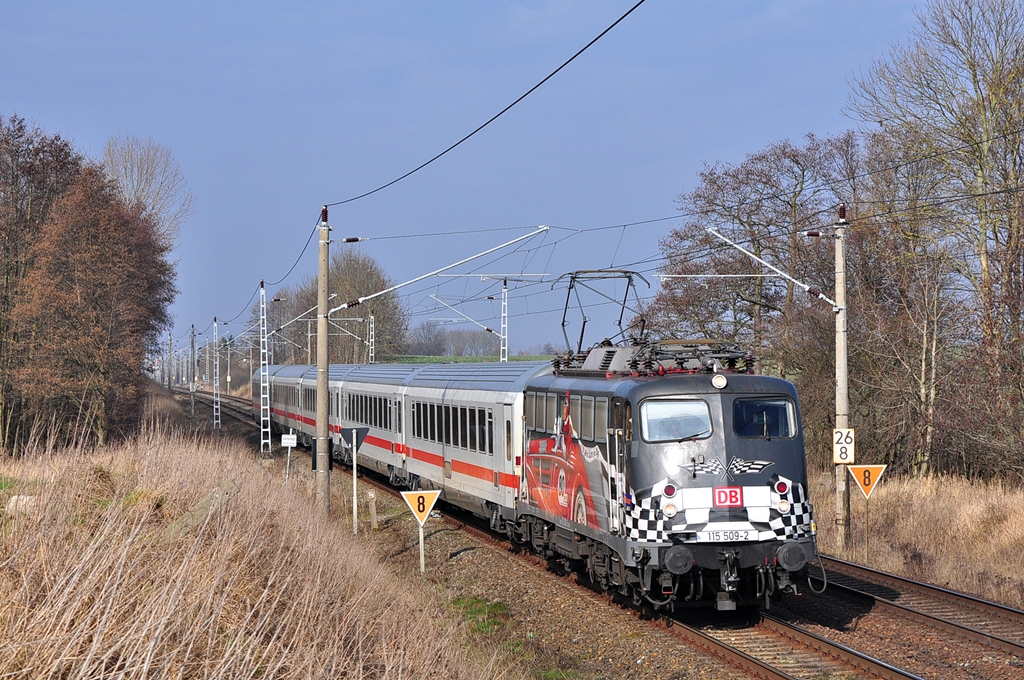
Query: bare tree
x,y
762,202
353,274
956,93
149,178
956,90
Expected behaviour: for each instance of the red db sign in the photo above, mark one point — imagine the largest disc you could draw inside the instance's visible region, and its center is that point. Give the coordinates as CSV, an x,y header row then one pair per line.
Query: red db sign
x,y
728,497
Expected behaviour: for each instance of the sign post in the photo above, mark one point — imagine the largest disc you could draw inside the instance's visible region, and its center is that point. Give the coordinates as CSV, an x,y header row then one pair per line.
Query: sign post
x,y
354,437
421,503
289,440
355,511
843,457
867,477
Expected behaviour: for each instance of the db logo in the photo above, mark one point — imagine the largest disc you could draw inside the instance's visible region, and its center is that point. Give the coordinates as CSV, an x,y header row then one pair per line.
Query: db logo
x,y
728,497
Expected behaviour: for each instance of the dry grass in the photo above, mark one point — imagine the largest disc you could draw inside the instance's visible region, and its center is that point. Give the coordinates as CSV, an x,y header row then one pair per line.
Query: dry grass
x,y
954,533
262,589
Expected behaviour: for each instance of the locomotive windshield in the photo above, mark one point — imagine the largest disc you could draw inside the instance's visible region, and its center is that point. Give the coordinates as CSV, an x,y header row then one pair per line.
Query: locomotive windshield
x,y
765,417
674,420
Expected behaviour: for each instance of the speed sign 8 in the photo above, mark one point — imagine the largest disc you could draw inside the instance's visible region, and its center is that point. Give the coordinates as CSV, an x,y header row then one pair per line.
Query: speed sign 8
x,y
842,446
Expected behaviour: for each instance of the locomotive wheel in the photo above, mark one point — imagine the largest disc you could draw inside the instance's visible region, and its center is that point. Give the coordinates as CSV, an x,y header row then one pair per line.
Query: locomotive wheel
x,y
579,508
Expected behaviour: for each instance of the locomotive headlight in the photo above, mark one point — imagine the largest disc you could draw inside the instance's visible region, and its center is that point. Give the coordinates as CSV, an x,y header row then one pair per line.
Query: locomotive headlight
x,y
719,381
783,507
669,510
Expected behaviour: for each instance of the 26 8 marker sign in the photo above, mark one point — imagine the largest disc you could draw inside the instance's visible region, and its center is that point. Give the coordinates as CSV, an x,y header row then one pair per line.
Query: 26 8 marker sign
x,y
843,446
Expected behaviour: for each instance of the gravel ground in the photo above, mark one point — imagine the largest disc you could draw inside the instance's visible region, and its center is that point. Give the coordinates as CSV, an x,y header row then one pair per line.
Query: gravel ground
x,y
552,623
913,647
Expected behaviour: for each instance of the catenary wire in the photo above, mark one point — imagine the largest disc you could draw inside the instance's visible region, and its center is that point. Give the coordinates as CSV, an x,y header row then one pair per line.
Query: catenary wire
x,y
495,116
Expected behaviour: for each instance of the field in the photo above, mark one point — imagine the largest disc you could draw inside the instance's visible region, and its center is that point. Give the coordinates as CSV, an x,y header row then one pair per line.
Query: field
x,y
953,533
93,584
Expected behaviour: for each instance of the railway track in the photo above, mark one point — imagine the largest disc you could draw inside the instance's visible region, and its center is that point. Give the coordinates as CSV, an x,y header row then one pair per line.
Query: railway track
x,y
769,648
238,407
967,617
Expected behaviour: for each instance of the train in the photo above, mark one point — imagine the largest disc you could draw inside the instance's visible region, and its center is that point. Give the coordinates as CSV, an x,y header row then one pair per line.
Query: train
x,y
667,473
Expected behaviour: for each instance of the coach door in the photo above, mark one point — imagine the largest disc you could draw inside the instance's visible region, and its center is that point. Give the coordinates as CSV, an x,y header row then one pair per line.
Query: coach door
x,y
617,451
513,459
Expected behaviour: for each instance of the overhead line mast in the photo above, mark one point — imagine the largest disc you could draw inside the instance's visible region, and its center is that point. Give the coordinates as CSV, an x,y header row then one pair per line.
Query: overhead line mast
x,y
323,452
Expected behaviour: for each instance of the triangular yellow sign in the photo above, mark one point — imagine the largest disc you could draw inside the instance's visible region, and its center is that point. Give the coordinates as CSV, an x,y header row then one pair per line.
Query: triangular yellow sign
x,y
421,503
867,476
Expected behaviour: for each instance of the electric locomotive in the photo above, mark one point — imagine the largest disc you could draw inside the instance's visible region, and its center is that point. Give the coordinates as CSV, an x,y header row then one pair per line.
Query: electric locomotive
x,y
666,472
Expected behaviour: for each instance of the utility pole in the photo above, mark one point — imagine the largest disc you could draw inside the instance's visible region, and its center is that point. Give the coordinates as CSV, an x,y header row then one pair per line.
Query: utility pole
x,y
216,376
323,454
192,371
371,357
503,351
170,360
842,381
265,444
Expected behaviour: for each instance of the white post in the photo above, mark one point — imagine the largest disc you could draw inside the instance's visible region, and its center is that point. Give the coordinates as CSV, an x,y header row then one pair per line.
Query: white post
x,y
423,566
355,512
842,382
504,320
216,376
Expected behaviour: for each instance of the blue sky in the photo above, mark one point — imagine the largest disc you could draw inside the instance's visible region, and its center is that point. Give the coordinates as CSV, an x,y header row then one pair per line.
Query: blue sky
x,y
275,108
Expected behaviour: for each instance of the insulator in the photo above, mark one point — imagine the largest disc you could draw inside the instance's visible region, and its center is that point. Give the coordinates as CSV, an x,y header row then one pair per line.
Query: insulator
x,y
749,361
842,212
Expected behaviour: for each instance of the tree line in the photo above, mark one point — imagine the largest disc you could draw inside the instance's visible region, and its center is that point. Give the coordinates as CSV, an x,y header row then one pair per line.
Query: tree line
x,y
86,287
934,245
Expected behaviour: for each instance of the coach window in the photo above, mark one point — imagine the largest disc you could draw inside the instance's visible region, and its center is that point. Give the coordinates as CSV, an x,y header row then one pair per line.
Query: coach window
x,y
627,427
471,426
574,411
586,423
601,419
463,421
446,425
490,432
665,420
764,417
508,440
528,406
432,415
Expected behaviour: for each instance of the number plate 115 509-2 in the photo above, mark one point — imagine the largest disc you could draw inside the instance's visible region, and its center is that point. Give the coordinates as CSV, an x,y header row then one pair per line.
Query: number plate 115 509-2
x,y
725,535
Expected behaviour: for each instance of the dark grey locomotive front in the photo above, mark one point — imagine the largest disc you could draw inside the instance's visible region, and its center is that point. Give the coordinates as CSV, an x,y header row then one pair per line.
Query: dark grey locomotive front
x,y
714,485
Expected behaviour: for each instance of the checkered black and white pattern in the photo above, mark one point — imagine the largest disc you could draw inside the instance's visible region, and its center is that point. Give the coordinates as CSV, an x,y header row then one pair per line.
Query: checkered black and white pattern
x,y
738,466
644,523
800,513
789,525
711,466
